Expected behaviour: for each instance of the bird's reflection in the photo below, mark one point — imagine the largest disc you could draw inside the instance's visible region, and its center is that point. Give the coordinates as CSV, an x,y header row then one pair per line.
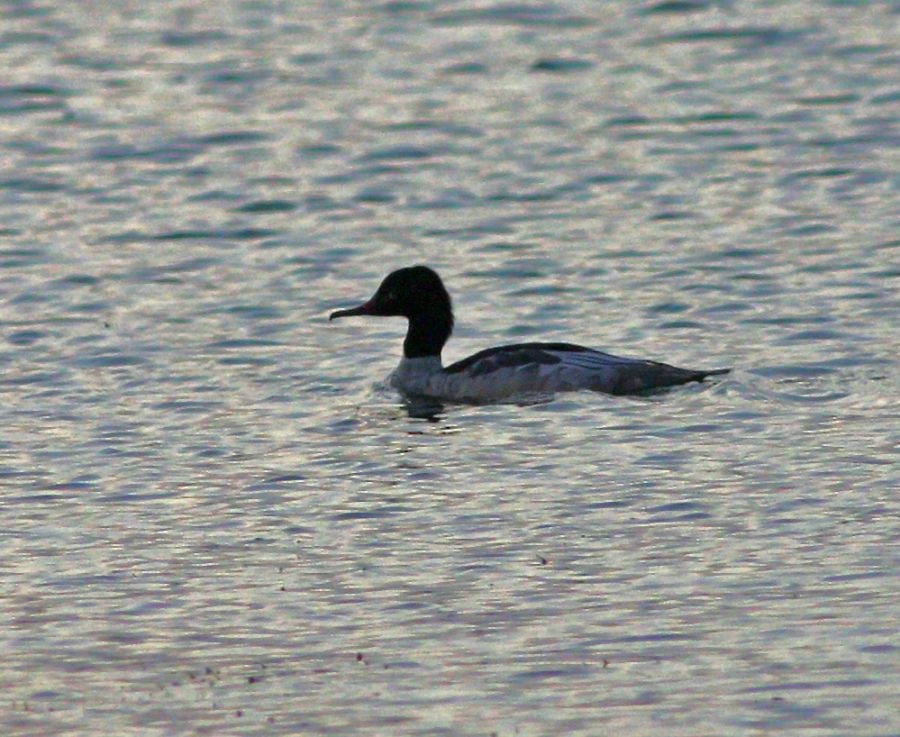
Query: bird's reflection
x,y
423,408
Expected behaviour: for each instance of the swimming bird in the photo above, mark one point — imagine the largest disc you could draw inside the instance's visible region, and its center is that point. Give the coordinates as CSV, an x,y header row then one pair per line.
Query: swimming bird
x,y
418,294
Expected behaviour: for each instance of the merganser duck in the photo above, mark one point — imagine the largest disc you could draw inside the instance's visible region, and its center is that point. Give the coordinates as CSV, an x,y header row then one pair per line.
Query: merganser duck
x,y
418,294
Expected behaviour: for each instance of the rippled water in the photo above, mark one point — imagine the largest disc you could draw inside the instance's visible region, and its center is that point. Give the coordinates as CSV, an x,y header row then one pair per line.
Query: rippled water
x,y
218,521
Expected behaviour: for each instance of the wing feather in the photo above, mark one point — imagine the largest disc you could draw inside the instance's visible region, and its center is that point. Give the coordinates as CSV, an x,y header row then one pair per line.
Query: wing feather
x,y
564,366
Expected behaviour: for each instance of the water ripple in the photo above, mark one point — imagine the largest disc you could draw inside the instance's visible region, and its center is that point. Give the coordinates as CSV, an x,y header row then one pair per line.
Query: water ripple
x,y
213,497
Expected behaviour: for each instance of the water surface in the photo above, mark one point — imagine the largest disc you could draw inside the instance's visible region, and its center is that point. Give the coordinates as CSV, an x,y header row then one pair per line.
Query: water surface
x,y
217,520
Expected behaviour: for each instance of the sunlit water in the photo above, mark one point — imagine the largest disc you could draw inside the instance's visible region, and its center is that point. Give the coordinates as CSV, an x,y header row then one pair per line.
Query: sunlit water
x,y
216,519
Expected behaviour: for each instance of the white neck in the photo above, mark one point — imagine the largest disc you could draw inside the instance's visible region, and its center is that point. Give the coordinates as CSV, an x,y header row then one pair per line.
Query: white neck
x,y
412,374
423,365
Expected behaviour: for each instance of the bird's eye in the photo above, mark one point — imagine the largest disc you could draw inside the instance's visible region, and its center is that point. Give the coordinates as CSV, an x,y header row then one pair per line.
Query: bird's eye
x,y
391,296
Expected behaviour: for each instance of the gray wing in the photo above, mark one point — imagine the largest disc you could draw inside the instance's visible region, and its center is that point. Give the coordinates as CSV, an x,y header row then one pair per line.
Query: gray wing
x,y
618,375
562,366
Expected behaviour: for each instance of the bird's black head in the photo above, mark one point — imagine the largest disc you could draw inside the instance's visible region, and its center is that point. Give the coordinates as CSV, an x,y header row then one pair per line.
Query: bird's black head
x,y
418,294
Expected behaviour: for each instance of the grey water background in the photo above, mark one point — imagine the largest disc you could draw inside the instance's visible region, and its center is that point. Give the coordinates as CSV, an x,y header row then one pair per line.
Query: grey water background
x,y
217,520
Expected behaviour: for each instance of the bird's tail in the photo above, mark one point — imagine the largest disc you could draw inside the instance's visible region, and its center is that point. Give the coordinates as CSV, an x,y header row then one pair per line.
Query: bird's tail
x,y
715,372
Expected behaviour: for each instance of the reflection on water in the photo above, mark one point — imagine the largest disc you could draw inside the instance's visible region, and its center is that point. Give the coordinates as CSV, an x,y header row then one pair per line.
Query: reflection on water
x,y
217,520
424,408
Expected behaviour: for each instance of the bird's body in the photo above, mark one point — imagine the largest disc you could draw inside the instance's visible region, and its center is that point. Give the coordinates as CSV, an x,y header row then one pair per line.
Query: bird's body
x,y
507,371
